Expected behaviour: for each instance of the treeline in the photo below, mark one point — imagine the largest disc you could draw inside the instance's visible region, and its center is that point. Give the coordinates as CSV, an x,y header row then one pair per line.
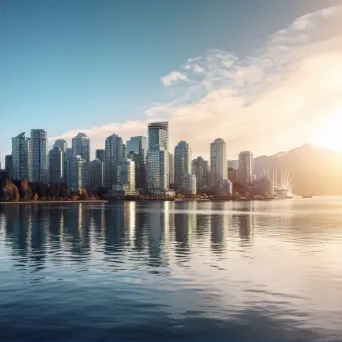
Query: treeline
x,y
15,190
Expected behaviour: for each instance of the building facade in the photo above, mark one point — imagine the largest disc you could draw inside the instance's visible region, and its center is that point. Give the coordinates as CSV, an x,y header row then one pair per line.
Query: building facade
x,y
245,168
21,157
171,169
75,173
96,174
56,166
182,162
114,154
81,146
39,159
137,151
200,169
158,158
100,155
61,144
218,162
9,165
189,186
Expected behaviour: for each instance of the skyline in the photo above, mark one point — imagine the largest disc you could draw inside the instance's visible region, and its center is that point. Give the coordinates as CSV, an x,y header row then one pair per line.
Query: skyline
x,y
280,74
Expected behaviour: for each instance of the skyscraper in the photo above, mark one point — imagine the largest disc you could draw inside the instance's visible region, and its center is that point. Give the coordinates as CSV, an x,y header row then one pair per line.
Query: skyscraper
x,y
189,184
75,173
96,174
56,166
137,151
67,154
171,169
218,161
158,158
81,146
21,157
245,168
158,136
182,161
9,165
100,155
39,149
201,170
61,144
114,153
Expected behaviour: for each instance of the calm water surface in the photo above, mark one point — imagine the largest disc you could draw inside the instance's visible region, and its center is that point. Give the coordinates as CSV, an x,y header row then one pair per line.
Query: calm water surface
x,y
162,270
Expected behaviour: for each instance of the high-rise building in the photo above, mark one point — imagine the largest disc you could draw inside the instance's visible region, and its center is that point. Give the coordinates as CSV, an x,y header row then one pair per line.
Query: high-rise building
x,y
189,184
182,161
158,158
245,168
126,174
100,155
56,166
61,144
200,169
67,154
114,154
158,136
96,174
171,169
9,165
158,171
21,157
39,150
218,161
81,146
75,173
137,151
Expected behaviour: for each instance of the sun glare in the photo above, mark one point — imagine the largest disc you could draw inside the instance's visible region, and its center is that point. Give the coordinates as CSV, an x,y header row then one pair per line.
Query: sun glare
x,y
330,132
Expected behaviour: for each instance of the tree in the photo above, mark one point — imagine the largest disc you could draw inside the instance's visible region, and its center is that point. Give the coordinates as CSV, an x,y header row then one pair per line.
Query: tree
x,y
15,193
35,197
84,194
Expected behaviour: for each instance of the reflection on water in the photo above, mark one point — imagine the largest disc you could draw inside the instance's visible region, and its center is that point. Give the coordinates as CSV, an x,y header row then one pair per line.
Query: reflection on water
x,y
199,270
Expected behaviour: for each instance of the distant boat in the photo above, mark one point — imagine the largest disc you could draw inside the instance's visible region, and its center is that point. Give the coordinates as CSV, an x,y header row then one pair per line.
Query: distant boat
x,y
307,196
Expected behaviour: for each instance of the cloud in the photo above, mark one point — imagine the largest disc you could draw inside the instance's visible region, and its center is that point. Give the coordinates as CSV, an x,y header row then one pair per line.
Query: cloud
x,y
271,100
172,77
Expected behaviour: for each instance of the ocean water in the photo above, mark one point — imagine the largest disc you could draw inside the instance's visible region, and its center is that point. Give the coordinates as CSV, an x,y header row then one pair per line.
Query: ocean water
x,y
172,271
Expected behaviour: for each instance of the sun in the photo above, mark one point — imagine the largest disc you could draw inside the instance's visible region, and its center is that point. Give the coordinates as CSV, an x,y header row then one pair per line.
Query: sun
x,y
329,133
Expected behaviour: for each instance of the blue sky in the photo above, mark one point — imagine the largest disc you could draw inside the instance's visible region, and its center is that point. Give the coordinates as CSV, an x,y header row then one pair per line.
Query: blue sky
x,y
77,64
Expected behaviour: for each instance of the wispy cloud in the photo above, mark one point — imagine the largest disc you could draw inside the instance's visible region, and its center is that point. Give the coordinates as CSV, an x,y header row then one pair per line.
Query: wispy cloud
x,y
268,101
172,77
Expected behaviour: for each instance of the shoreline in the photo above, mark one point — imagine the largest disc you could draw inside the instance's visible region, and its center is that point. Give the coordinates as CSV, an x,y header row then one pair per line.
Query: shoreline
x,y
57,202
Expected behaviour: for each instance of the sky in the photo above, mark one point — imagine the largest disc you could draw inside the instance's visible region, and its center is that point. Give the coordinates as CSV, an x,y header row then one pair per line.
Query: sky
x,y
264,75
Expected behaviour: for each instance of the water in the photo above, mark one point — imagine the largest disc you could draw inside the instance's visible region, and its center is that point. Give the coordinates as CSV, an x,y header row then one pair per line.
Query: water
x,y
163,270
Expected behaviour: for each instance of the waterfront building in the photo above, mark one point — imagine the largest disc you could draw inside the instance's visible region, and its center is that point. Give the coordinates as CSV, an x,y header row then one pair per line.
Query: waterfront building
x,y
245,168
61,144
137,151
158,158
200,169
100,155
39,158
75,173
182,161
9,165
96,174
81,146
218,161
114,154
21,157
171,169
189,186
56,165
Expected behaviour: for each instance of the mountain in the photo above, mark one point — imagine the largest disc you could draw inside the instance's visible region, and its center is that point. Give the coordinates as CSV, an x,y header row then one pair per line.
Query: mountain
x,y
314,171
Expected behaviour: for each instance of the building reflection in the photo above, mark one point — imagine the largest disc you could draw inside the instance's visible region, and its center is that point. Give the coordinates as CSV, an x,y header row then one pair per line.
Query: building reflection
x,y
185,224
245,222
158,233
218,227
77,229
